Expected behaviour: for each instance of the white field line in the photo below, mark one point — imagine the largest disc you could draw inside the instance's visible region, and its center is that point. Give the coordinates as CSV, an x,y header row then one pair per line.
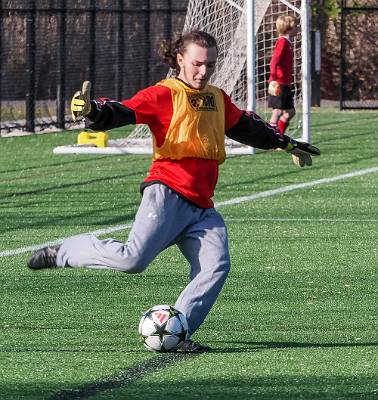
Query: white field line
x,y
290,188
236,200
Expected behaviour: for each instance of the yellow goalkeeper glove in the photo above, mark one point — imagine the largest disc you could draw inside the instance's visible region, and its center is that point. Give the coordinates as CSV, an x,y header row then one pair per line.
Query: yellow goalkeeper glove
x,y
81,102
274,88
301,152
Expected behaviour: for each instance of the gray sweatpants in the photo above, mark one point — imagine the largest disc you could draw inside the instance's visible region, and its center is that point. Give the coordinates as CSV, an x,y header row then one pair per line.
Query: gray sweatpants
x,y
164,219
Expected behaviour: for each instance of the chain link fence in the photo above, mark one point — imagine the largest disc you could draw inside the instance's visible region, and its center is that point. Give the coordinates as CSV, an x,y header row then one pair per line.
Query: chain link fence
x,y
49,47
359,55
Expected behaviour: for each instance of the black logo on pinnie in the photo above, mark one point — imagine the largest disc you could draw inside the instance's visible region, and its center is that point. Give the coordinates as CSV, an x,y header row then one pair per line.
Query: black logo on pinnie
x,y
203,101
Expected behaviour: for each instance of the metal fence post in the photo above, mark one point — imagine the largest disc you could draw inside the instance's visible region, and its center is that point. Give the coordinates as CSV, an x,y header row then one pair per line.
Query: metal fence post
x,y
30,68
168,26
120,52
92,43
315,68
61,66
147,55
1,57
342,52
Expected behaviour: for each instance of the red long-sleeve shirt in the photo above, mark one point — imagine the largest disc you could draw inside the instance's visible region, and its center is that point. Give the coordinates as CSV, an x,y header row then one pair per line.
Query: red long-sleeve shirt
x,y
282,62
193,177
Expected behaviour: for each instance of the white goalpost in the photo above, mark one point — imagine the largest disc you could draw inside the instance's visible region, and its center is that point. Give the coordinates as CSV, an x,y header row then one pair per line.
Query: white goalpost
x,y
246,34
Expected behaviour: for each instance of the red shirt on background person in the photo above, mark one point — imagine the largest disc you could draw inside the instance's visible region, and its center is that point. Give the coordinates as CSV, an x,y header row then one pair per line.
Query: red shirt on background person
x,y
281,74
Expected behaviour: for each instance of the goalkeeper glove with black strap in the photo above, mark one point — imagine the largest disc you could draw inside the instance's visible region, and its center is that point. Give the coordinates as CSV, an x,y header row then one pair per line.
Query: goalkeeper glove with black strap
x,y
81,103
301,152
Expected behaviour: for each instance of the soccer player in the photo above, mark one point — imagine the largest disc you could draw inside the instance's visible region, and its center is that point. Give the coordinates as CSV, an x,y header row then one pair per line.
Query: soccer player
x,y
188,119
281,74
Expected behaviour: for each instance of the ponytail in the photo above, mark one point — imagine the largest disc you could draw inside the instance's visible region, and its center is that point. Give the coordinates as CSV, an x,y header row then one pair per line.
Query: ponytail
x,y
169,50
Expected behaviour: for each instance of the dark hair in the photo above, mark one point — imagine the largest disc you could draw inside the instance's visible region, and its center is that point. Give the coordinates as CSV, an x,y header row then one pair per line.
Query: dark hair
x,y
170,48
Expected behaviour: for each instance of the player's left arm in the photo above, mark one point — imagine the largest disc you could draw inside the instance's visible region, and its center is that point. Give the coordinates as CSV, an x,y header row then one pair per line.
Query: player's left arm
x,y
254,131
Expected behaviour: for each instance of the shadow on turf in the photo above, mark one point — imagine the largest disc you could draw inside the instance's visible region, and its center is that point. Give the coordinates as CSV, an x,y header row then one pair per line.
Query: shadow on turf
x,y
245,348
339,122
60,219
48,165
344,137
49,220
248,346
122,379
155,364
71,161
80,184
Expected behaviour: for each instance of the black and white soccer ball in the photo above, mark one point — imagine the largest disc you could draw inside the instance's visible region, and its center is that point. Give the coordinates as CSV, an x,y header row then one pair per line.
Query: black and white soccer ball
x,y
163,328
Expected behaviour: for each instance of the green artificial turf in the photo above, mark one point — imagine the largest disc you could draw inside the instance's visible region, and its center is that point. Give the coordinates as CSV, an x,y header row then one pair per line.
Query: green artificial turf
x,y
296,318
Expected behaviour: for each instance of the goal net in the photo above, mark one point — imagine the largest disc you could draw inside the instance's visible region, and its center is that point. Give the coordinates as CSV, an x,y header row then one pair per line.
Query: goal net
x,y
227,21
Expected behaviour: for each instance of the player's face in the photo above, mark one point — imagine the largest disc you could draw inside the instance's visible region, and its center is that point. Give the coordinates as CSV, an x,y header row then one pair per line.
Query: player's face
x,y
197,64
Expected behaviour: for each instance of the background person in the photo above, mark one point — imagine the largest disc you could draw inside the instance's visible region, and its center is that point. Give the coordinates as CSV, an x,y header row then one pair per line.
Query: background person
x,y
281,74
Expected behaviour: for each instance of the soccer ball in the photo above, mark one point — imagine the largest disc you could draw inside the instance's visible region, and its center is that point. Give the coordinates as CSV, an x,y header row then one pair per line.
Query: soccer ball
x,y
163,328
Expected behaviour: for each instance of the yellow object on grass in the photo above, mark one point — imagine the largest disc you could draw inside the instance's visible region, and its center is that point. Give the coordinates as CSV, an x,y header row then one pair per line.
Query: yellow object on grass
x,y
99,139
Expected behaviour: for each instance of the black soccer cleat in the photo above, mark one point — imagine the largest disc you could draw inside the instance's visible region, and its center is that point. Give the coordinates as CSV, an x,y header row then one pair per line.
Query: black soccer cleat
x,y
44,258
188,346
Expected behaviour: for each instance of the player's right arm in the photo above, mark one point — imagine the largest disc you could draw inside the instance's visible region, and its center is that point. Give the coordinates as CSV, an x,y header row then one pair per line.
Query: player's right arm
x,y
109,114
104,114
